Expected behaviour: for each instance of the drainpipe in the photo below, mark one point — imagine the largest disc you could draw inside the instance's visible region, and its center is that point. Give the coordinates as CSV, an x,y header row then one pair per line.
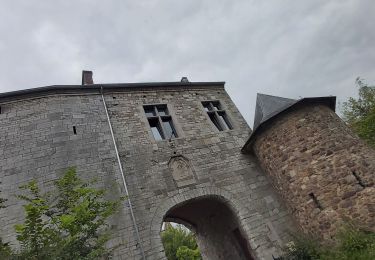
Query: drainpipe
x,y
123,178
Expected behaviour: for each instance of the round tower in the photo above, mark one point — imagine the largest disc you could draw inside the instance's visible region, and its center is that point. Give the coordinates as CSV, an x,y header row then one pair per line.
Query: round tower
x,y
321,169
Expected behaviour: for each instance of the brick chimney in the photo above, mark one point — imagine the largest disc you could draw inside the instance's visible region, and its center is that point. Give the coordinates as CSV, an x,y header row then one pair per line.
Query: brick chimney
x,y
87,77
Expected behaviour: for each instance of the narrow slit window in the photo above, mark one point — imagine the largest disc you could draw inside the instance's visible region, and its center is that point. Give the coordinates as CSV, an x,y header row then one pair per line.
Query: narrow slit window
x,y
359,180
74,130
316,201
160,121
217,115
0,110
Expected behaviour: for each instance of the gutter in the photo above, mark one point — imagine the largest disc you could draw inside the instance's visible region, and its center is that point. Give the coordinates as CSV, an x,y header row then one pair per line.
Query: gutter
x,y
123,178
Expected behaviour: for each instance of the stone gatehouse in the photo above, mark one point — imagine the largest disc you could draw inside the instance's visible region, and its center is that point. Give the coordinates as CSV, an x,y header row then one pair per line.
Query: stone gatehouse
x,y
182,153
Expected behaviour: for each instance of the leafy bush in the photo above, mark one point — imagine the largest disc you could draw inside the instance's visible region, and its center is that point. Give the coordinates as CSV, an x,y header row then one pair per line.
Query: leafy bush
x,y
179,243
69,225
185,253
351,243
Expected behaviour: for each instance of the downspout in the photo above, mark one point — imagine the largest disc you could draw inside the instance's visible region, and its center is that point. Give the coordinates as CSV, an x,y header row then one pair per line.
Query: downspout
x,y
123,177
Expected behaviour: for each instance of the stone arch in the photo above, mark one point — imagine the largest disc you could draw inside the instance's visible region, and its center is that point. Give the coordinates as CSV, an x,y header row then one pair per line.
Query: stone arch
x,y
251,224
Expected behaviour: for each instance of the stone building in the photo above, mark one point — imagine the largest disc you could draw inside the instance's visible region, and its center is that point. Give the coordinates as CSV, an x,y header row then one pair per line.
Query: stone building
x,y
323,171
181,152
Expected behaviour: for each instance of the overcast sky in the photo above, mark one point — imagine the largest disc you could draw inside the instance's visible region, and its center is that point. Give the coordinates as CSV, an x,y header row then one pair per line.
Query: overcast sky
x,y
286,48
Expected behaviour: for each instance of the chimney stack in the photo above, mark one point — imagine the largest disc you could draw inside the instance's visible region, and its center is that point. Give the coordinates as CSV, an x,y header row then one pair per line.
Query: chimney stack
x,y
184,79
87,77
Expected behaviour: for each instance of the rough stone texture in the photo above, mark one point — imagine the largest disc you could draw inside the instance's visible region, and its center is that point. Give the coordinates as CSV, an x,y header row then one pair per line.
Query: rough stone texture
x,y
38,142
323,171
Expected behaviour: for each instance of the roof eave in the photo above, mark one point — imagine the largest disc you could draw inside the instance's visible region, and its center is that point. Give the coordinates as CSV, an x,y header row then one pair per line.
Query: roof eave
x,y
329,101
96,88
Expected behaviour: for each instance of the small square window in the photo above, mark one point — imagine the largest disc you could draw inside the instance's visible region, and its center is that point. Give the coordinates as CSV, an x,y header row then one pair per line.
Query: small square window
x,y
216,105
162,110
150,111
207,106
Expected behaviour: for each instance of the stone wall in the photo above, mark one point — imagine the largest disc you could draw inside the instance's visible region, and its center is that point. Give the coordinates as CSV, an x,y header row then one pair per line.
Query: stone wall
x,y
323,171
38,142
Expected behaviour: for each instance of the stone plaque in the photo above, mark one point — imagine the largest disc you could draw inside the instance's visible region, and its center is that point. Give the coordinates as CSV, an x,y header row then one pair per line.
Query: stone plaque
x,y
182,172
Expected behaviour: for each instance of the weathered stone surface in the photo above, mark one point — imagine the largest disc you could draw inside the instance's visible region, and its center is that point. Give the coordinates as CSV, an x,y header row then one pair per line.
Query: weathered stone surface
x,y
322,170
38,142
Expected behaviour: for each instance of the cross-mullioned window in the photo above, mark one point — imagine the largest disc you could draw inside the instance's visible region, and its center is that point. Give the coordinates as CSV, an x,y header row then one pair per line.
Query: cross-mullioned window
x,y
160,122
217,115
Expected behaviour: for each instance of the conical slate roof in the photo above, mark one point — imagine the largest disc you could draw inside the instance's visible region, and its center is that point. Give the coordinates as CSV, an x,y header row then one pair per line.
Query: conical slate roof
x,y
268,106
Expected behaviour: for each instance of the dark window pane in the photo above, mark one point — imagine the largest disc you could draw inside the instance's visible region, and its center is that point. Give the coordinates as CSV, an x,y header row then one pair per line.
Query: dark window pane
x,y
156,129
214,120
216,105
168,128
206,106
224,120
150,111
162,110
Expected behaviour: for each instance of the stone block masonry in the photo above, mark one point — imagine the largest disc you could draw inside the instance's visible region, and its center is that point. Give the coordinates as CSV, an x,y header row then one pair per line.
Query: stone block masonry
x,y
322,170
45,133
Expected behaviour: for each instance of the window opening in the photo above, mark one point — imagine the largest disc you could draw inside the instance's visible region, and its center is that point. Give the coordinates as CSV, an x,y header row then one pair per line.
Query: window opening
x,y
316,201
160,122
359,180
217,115
74,130
0,110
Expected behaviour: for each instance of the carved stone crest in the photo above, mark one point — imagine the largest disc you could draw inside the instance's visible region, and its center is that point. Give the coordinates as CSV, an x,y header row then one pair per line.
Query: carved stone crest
x,y
182,171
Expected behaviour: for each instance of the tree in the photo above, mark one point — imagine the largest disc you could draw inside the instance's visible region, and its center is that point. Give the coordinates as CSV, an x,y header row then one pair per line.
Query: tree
x,y
68,225
360,113
179,243
5,250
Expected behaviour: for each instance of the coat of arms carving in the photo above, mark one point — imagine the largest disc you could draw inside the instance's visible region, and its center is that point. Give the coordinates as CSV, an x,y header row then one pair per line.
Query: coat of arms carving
x,y
182,171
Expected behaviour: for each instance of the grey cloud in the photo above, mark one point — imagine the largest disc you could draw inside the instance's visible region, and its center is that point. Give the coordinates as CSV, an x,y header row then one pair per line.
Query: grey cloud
x,y
287,48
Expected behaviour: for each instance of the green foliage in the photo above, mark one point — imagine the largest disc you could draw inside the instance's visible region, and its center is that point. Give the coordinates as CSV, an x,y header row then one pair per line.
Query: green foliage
x,y
69,225
179,243
5,250
185,253
36,235
351,244
360,113
302,248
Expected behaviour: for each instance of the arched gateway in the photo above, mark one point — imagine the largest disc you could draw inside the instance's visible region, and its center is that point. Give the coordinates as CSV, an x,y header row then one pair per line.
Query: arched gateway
x,y
222,226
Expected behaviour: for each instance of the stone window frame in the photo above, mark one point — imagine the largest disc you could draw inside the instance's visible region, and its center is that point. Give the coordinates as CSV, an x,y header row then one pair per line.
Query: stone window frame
x,y
158,119
217,115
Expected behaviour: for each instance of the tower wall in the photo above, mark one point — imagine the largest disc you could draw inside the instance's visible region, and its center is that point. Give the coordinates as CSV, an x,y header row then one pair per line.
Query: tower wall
x,y
323,171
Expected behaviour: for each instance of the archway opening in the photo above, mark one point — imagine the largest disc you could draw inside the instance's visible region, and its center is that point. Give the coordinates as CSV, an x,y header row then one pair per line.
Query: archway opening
x,y
216,228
